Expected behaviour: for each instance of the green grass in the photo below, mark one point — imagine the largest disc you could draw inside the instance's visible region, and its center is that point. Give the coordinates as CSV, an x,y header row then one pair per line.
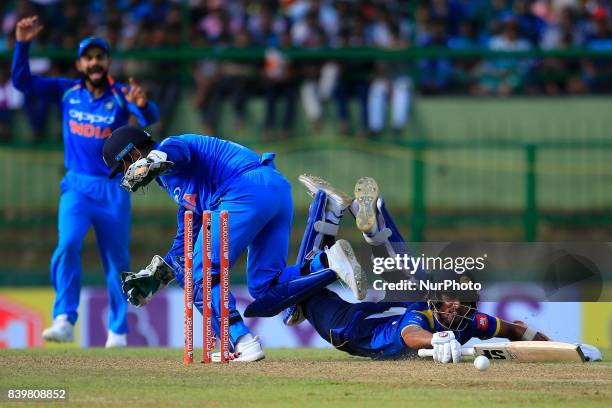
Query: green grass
x,y
298,378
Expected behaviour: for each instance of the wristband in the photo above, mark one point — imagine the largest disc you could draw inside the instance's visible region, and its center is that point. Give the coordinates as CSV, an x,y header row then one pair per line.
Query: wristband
x,y
529,334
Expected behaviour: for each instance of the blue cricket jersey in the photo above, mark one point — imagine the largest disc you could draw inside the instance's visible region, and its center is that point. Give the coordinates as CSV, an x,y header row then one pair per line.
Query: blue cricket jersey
x,y
204,167
87,122
378,333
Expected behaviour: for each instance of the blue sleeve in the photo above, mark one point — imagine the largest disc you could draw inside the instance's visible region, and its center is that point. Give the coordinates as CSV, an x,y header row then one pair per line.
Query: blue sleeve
x,y
417,318
176,254
146,116
177,150
484,326
51,89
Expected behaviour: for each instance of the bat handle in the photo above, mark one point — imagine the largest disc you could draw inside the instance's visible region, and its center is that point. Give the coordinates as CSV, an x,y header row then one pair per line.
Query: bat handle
x,y
465,351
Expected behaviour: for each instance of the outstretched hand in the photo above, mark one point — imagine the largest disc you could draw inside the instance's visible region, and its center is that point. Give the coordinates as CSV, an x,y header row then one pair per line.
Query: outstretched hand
x,y
27,29
135,94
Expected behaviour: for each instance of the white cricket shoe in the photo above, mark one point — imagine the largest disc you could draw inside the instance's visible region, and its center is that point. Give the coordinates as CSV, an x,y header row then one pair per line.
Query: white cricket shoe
x,y
341,259
338,200
61,331
115,340
366,197
248,347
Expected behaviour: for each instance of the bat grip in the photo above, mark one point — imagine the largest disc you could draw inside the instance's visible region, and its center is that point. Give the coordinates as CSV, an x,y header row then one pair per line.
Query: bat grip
x,y
465,351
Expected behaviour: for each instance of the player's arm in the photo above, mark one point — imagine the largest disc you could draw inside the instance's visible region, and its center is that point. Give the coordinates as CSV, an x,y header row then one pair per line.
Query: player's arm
x,y
519,331
49,88
145,111
175,255
416,337
141,286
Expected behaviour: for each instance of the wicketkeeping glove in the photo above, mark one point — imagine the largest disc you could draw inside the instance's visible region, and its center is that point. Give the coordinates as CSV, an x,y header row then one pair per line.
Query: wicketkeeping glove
x,y
142,285
445,347
143,171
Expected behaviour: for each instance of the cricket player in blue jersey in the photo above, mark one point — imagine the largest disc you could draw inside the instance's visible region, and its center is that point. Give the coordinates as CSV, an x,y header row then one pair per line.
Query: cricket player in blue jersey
x,y
206,173
92,107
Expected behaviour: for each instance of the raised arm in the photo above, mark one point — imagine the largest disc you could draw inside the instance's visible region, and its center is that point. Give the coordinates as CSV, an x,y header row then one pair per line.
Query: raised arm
x,y
139,105
49,88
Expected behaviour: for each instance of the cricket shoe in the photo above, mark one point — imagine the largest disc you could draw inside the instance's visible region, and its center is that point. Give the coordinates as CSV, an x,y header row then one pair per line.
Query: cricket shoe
x,y
115,340
366,197
341,259
337,200
61,331
248,351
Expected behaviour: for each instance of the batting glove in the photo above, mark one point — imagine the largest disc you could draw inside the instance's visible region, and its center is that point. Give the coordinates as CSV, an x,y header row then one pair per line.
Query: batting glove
x,y
445,347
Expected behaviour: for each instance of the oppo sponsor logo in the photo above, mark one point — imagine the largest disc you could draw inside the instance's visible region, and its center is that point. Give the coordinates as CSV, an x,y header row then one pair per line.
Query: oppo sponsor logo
x,y
91,117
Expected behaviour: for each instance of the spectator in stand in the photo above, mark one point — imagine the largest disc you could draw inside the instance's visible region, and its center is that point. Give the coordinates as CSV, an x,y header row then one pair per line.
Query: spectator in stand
x,y
392,82
308,34
233,80
434,73
504,76
559,75
279,83
600,70
469,37
353,79
166,87
10,100
530,25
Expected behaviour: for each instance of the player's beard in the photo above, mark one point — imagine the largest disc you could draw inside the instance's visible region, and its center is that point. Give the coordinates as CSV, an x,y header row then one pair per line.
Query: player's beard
x,y
96,77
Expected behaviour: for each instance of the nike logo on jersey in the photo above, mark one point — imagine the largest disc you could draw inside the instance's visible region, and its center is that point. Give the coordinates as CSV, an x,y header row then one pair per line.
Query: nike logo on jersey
x,y
74,101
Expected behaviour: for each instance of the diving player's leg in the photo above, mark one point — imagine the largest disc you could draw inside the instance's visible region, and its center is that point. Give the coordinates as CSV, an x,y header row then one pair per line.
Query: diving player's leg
x,y
336,203
339,262
289,285
373,219
73,223
111,221
326,209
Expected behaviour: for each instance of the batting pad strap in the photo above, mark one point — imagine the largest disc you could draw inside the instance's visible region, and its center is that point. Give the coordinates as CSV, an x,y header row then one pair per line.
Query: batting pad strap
x,y
529,334
326,228
381,237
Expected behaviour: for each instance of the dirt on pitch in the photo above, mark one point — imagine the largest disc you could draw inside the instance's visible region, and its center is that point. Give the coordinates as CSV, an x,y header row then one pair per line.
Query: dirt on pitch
x,y
300,378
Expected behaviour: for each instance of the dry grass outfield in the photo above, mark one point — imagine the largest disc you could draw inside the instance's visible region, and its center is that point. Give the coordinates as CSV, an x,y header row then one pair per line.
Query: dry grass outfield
x,y
298,378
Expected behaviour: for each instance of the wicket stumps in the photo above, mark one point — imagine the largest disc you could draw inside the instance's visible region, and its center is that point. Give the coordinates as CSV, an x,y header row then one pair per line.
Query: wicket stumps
x,y
188,292
207,333
208,338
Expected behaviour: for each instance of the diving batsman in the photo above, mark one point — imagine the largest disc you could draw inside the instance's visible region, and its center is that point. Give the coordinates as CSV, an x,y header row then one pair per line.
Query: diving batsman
x,y
384,330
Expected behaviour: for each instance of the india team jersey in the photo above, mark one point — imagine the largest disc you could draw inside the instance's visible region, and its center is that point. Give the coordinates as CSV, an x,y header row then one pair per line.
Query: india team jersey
x,y
87,121
204,167
380,334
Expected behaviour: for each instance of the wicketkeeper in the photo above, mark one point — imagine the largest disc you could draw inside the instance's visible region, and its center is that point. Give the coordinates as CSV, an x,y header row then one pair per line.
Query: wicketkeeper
x,y
205,173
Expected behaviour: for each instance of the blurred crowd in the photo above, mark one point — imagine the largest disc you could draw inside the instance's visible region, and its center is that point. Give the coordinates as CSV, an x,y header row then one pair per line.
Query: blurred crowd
x,y
382,90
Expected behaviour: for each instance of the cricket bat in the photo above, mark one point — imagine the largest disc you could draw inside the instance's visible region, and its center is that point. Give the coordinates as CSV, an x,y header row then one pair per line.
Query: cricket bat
x,y
522,351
